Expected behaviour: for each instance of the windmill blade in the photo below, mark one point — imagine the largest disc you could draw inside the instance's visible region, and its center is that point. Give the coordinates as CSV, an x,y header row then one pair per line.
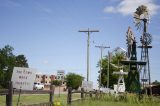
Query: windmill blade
x,y
116,66
137,18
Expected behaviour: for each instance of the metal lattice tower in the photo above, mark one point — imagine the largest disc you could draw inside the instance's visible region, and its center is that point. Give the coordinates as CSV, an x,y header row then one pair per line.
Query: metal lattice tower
x,y
141,17
145,45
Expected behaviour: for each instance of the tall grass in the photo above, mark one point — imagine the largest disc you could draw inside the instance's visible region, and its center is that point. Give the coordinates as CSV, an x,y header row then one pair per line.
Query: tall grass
x,y
101,100
121,100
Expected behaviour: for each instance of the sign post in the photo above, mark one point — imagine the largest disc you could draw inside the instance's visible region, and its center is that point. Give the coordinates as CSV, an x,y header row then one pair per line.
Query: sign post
x,y
87,85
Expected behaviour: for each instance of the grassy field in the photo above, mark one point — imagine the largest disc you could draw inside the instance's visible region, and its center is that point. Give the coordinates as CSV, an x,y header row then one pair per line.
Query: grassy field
x,y
38,98
119,101
105,100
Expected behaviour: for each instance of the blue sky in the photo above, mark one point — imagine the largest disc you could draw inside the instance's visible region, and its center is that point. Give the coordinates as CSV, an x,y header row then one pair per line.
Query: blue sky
x,y
46,31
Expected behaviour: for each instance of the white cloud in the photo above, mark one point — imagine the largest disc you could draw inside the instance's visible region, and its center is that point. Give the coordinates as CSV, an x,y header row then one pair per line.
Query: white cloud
x,y
47,10
128,7
110,9
10,4
45,62
42,8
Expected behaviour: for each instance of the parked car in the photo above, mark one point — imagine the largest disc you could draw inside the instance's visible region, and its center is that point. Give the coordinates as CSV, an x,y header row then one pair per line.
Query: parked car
x,y
38,86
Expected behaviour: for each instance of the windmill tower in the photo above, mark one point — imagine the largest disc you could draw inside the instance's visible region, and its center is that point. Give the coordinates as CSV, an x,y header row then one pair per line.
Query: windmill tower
x,y
133,82
141,17
121,84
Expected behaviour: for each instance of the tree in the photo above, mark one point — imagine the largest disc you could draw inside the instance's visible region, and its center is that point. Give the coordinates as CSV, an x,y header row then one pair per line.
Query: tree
x,y
21,61
116,58
156,82
57,82
73,80
7,63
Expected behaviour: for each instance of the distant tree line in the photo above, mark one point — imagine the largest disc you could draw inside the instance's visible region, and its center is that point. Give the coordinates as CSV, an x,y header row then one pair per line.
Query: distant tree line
x,y
8,61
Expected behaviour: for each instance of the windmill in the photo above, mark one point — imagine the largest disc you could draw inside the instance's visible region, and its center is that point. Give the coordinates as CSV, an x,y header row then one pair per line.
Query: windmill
x,y
120,87
133,82
130,40
141,17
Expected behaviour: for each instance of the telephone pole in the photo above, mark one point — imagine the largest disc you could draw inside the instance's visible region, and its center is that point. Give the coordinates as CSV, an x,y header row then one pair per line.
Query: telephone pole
x,y
101,48
88,45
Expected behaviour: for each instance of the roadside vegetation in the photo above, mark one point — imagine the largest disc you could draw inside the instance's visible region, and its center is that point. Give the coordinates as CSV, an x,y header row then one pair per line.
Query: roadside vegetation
x,y
104,100
8,60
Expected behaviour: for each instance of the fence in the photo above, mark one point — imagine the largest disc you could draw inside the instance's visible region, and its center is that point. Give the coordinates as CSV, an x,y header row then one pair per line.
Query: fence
x,y
83,94
10,91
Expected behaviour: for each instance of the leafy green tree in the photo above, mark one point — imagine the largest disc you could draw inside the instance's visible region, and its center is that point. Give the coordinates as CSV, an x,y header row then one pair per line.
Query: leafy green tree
x,y
7,62
73,80
57,82
21,61
113,79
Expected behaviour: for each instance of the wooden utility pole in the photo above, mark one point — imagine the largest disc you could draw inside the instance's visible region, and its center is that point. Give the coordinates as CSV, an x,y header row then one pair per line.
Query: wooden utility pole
x,y
101,48
88,45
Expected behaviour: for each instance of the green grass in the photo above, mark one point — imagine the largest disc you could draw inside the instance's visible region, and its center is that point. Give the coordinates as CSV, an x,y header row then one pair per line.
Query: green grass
x,y
124,100
35,99
104,100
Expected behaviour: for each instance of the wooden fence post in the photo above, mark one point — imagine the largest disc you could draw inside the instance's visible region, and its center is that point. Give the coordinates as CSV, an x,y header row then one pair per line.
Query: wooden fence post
x,y
90,94
96,94
82,93
69,97
9,95
51,97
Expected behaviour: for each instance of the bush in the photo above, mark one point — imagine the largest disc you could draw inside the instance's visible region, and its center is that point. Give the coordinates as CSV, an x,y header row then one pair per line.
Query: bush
x,y
73,80
57,82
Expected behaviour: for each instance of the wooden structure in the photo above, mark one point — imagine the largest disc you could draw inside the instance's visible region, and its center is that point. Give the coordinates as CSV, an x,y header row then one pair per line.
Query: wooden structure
x,y
10,92
83,94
